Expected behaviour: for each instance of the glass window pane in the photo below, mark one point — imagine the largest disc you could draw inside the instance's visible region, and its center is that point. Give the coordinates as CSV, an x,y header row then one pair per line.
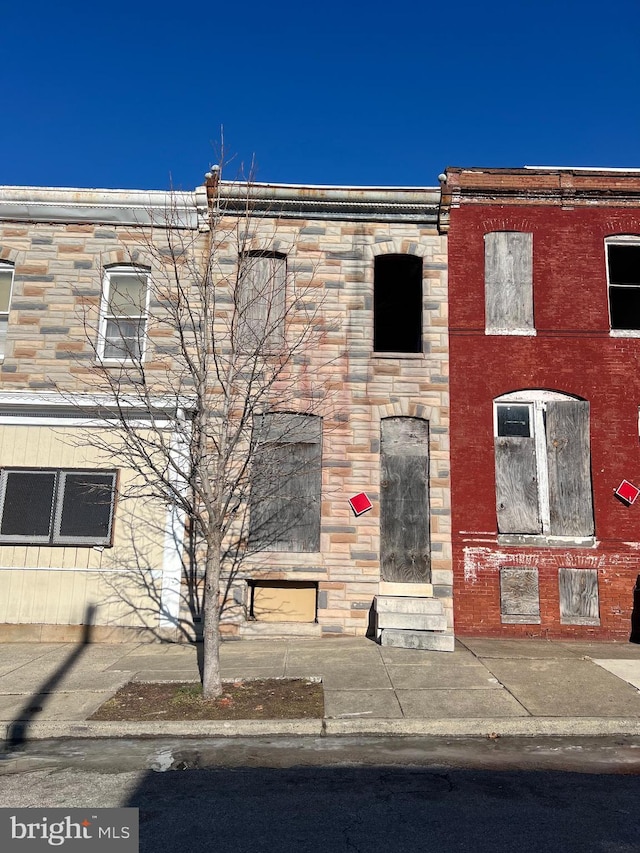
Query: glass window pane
x,y
127,294
86,506
624,265
123,338
28,503
513,420
6,279
625,307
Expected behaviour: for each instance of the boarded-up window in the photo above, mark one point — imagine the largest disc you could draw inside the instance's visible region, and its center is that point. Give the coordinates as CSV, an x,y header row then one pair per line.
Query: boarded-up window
x,y
543,470
284,601
397,303
519,598
286,482
405,553
579,604
261,302
623,269
508,268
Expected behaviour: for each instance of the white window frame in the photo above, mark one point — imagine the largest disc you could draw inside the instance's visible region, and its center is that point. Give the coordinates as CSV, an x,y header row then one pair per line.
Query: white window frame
x,y
537,401
54,537
4,315
619,240
122,269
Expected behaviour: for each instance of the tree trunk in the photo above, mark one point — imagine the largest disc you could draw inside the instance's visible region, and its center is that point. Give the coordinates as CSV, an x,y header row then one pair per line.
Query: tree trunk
x,y
211,681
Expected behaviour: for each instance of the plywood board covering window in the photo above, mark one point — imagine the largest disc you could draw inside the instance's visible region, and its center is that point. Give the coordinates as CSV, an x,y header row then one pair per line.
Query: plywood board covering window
x,y
286,483
261,303
508,268
519,597
279,601
579,600
543,467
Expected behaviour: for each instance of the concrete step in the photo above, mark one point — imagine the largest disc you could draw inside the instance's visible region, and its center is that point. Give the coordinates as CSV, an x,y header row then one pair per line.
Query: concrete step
x,y
413,590
415,621
417,640
398,604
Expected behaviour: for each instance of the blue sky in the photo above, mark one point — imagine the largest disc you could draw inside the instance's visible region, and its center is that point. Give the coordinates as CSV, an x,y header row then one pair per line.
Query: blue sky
x,y
133,94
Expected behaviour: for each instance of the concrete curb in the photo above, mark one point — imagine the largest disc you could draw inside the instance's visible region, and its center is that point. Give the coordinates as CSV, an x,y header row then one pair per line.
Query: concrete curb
x,y
472,727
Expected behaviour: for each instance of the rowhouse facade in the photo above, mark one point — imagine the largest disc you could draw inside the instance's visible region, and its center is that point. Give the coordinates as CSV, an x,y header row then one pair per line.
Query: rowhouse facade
x,y
76,275
544,346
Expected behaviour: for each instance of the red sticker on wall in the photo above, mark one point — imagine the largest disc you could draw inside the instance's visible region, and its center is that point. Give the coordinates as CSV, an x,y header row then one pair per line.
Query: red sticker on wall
x,y
627,491
360,503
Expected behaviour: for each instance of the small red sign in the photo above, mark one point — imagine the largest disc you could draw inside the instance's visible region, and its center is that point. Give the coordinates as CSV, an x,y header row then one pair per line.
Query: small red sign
x,y
627,491
360,503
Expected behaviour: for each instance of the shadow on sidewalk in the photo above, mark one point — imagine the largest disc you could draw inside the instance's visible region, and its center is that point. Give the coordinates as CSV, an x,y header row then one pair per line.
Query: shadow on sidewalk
x,y
17,730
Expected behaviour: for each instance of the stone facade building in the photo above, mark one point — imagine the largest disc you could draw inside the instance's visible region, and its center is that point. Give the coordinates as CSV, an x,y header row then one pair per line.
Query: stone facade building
x,y
377,268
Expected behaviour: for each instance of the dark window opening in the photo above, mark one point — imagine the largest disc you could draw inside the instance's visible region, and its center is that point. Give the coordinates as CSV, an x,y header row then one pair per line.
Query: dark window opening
x,y
514,420
397,304
57,507
624,285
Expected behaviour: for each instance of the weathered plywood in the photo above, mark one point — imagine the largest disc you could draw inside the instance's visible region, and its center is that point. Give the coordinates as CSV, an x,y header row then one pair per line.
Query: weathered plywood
x,y
509,281
568,456
286,483
262,302
405,552
275,601
404,437
519,592
579,601
516,485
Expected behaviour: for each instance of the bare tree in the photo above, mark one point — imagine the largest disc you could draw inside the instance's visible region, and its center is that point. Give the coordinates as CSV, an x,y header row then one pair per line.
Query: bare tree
x,y
208,334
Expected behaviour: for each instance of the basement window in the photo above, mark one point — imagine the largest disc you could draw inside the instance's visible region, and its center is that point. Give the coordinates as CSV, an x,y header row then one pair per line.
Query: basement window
x,y
283,601
397,304
519,596
623,275
579,600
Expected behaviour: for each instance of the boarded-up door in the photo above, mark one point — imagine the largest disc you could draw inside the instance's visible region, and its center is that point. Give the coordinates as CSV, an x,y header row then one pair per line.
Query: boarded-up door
x,y
568,455
405,554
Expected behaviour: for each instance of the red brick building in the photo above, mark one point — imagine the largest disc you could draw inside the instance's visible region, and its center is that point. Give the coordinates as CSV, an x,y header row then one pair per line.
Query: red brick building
x,y
544,296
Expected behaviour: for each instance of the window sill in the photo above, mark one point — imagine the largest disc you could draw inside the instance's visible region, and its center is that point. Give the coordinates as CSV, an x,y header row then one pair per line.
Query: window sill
x,y
116,362
413,355
519,620
579,620
547,541
529,333
624,333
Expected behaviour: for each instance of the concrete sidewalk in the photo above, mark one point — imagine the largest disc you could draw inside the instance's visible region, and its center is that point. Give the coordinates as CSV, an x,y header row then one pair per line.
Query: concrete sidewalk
x,y
507,687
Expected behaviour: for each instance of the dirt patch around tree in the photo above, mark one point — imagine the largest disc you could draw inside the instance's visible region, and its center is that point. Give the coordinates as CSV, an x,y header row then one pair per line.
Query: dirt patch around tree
x,y
265,699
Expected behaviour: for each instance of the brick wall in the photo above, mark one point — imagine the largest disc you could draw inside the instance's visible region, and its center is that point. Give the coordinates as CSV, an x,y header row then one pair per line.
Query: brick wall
x,y
573,353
